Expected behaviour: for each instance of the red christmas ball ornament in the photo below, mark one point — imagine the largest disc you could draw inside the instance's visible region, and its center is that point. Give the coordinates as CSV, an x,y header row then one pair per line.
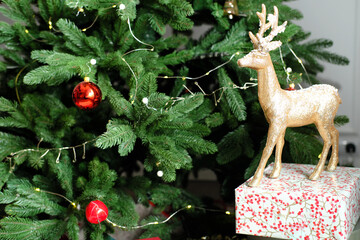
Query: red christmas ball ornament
x,y
86,95
291,87
96,212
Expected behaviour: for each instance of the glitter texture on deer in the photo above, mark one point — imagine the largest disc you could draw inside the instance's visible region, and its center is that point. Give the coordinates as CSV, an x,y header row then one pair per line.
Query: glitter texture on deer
x,y
317,104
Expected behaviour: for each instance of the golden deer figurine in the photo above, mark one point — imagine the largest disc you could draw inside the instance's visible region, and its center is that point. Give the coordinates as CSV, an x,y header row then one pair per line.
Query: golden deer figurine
x,y
317,104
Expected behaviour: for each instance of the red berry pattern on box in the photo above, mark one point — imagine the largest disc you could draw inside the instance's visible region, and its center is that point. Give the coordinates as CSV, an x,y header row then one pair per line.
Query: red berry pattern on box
x,y
294,207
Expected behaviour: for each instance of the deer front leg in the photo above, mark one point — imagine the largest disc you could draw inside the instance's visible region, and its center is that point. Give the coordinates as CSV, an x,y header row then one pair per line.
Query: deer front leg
x,y
272,138
278,152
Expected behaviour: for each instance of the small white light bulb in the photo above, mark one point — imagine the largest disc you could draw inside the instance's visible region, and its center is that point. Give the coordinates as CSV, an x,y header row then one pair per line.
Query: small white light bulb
x,y
122,6
160,173
93,61
145,100
289,70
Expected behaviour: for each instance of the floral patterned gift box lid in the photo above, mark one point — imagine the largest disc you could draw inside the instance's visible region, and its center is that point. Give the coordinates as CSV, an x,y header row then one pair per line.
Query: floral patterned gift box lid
x,y
295,207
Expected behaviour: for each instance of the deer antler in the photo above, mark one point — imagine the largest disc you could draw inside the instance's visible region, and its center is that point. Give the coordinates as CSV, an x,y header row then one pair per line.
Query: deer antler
x,y
263,25
265,44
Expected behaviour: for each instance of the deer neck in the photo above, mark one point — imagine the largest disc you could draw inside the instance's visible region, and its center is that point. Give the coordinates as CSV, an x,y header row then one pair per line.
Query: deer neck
x,y
268,84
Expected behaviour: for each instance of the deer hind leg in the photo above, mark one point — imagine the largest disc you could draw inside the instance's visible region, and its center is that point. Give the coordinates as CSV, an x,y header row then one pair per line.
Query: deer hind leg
x,y
325,134
334,159
278,152
272,138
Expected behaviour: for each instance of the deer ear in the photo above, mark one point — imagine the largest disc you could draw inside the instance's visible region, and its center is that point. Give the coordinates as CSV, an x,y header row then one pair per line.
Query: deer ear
x,y
273,45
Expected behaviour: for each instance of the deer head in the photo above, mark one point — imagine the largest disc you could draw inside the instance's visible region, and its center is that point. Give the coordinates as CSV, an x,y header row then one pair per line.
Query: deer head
x,y
259,57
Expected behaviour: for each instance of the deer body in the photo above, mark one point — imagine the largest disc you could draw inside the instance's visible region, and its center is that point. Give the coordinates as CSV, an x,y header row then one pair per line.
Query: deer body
x,y
317,104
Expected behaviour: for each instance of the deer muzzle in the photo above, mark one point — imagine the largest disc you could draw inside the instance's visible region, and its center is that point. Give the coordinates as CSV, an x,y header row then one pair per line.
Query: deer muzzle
x,y
242,62
245,61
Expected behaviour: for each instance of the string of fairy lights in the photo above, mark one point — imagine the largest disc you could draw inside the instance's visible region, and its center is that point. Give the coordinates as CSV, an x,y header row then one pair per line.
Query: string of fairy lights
x,y
129,228
46,151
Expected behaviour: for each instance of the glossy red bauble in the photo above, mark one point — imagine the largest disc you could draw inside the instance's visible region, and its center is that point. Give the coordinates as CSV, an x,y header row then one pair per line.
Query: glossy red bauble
x,y
86,95
96,212
290,89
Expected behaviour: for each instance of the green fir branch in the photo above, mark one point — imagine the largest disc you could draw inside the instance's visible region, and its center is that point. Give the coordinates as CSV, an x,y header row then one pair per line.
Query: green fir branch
x,y
217,11
235,144
7,33
117,134
157,23
303,148
173,41
15,228
197,144
200,130
101,180
64,171
201,112
177,57
147,84
236,38
10,144
72,228
12,55
341,120
80,43
97,234
157,100
189,103
169,157
7,196
331,57
119,104
30,202
51,75
51,9
207,41
7,105
122,209
232,95
4,175
177,123
214,120
130,11
18,11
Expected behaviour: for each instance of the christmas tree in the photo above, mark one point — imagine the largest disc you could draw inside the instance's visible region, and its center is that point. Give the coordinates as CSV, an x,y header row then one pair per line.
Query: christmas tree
x,y
150,97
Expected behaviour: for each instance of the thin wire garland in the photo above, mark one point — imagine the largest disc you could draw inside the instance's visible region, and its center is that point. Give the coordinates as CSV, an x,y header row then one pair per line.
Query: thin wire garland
x,y
129,228
299,61
46,151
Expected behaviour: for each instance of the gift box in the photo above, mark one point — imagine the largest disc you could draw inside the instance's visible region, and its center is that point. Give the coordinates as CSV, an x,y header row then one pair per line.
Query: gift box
x,y
294,207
